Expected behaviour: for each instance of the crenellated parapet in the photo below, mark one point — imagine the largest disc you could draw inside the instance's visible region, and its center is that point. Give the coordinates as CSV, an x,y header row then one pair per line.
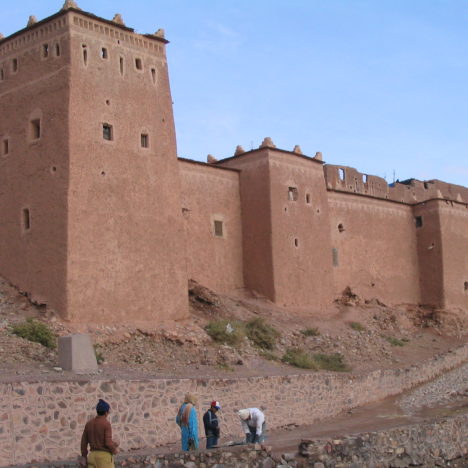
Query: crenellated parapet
x,y
411,191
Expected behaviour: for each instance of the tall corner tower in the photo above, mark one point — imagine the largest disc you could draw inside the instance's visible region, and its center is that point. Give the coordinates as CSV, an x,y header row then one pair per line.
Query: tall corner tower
x,y
107,126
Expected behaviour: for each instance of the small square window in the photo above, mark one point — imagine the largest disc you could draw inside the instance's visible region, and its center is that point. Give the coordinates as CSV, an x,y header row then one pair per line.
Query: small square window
x,y
144,140
292,193
218,228
138,64
26,220
308,198
5,147
104,53
35,129
418,221
14,65
107,132
57,50
45,50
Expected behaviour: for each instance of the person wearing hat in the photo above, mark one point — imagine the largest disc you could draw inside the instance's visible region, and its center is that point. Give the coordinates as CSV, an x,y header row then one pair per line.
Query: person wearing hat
x,y
188,422
98,435
210,421
253,424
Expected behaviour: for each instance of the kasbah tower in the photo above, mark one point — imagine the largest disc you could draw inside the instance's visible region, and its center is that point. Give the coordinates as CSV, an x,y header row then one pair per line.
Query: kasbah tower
x,y
102,222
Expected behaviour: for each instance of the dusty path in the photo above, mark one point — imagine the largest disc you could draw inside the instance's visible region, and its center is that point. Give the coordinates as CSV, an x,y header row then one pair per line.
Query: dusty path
x,y
444,396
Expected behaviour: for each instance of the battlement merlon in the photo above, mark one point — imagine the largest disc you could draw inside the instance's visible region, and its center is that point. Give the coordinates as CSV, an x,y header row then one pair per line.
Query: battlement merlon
x,y
412,191
115,29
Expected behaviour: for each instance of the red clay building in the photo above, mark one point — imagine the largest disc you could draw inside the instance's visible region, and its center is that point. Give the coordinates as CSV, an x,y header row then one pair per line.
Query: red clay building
x,y
101,221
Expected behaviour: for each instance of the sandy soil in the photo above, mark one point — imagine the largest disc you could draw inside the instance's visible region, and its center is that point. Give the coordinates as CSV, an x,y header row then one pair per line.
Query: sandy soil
x,y
184,348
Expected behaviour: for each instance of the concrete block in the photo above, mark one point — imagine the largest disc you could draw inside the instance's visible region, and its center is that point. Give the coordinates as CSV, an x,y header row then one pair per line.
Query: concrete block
x,y
76,354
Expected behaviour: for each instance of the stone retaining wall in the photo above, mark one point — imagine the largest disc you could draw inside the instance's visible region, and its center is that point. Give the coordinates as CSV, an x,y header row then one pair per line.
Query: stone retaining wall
x,y
429,444
42,421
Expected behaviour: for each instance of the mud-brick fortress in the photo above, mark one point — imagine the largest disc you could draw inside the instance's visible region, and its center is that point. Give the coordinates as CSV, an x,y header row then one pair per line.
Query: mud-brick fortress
x,y
101,221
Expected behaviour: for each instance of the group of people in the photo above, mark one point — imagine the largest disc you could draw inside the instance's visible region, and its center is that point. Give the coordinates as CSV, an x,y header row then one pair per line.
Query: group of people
x,y
97,433
252,421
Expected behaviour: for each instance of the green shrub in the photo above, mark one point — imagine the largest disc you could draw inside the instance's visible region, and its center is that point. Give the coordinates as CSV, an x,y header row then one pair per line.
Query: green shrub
x,y
331,362
299,358
314,331
357,326
36,331
261,334
231,332
99,355
395,341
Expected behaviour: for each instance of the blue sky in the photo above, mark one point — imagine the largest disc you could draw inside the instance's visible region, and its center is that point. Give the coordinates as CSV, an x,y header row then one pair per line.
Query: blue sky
x,y
379,85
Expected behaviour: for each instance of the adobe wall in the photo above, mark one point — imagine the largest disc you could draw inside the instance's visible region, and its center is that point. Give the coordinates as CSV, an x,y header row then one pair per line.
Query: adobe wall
x,y
301,238
44,420
34,166
454,236
376,250
211,194
430,255
255,195
348,179
126,258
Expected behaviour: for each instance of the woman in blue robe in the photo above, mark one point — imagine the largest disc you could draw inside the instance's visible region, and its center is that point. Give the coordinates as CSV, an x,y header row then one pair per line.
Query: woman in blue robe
x,y
188,422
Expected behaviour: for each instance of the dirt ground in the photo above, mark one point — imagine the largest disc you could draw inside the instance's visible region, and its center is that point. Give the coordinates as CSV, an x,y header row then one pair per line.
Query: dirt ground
x,y
185,349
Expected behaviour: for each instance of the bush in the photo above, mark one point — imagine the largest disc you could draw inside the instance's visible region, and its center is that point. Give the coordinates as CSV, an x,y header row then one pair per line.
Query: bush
x,y
357,326
310,331
231,332
261,334
299,358
99,355
36,331
396,341
331,362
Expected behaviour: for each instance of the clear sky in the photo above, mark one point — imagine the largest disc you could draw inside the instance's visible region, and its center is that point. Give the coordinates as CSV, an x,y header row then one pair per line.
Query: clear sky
x,y
379,85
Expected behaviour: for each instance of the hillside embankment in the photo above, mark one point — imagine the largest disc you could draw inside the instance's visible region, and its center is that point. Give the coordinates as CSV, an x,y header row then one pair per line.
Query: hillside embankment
x,y
144,371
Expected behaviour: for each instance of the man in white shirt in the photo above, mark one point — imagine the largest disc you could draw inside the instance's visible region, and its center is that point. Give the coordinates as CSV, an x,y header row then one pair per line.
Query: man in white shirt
x,y
253,424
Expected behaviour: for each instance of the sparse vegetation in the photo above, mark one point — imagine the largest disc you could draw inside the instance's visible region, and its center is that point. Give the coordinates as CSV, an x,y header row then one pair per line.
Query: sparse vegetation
x,y
224,366
332,362
261,334
312,331
395,341
299,358
270,356
99,355
357,326
36,331
231,332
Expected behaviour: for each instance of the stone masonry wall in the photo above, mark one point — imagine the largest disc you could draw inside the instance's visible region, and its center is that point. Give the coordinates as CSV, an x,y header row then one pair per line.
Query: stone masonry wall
x,y
429,444
43,420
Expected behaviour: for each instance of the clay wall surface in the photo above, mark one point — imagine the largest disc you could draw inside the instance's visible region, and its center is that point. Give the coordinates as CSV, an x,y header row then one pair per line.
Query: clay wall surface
x,y
211,194
34,155
454,236
376,250
429,248
348,179
302,259
255,195
126,237
44,420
